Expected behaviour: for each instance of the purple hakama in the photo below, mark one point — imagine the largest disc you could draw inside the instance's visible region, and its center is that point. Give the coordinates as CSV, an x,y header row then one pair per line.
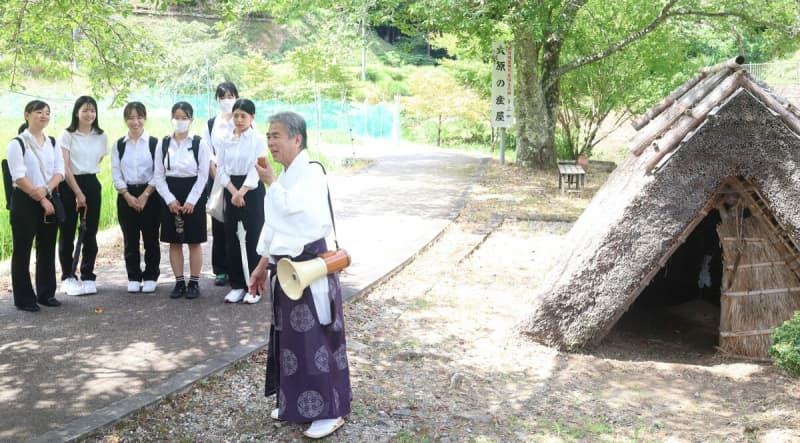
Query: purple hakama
x,y
307,362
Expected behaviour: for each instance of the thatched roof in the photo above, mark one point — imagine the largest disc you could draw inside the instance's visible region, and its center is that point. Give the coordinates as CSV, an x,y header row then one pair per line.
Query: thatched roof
x,y
718,125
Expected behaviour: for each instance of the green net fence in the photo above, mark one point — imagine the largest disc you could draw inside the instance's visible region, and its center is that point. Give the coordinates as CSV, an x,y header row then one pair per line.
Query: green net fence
x,y
380,121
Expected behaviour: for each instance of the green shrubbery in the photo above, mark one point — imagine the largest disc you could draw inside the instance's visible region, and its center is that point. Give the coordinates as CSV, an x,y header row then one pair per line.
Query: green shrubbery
x,y
785,350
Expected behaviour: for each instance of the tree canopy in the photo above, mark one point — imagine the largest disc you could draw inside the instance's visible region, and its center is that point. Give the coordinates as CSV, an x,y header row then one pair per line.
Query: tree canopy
x,y
554,38
58,37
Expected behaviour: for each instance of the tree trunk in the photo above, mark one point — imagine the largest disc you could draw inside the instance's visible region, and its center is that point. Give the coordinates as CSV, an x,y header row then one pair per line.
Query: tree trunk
x,y
535,111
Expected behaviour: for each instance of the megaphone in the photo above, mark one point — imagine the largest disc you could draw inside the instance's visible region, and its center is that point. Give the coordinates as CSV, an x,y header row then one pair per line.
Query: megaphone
x,y
294,277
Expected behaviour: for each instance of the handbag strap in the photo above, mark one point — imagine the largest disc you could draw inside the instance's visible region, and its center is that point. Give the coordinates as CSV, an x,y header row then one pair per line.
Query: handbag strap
x,y
330,206
41,164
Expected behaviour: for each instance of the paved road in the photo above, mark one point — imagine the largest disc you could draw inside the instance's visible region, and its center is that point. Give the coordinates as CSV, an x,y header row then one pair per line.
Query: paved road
x,y
67,370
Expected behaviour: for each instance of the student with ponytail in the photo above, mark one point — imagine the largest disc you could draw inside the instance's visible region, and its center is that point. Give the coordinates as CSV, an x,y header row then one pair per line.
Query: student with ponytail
x,y
244,196
36,168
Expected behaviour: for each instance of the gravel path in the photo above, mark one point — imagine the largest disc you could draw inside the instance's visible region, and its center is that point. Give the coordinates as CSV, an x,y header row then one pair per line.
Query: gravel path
x,y
435,357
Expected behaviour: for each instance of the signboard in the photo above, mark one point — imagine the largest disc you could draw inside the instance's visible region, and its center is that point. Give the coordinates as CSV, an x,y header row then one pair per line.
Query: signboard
x,y
502,88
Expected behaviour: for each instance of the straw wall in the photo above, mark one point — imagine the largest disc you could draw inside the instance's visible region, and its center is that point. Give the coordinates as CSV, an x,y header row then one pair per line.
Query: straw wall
x,y
759,290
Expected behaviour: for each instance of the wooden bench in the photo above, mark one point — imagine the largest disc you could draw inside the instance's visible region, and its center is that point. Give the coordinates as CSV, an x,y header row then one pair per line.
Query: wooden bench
x,y
573,174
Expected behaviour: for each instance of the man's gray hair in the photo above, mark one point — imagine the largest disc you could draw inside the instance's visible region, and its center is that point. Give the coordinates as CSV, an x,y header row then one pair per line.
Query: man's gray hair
x,y
294,123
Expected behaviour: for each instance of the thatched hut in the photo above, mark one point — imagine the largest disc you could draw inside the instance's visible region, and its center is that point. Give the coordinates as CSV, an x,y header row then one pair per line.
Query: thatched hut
x,y
712,176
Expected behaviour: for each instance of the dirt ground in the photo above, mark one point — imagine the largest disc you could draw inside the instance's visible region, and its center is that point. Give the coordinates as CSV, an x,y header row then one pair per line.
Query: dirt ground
x,y
435,356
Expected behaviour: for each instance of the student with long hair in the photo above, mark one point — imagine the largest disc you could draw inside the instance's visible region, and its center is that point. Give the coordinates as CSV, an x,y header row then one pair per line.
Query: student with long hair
x,y
244,196
132,166
37,168
218,128
182,162
83,145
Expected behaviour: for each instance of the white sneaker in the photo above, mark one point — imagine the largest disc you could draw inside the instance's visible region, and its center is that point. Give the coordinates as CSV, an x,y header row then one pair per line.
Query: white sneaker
x,y
251,299
72,286
149,286
323,428
89,287
134,286
235,296
274,414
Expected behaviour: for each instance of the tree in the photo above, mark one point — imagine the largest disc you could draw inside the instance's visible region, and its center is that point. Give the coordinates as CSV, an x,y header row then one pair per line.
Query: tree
x,y
541,30
436,96
59,39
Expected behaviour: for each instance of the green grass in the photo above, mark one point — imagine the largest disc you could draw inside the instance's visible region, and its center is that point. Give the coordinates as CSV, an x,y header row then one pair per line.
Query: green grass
x,y
587,429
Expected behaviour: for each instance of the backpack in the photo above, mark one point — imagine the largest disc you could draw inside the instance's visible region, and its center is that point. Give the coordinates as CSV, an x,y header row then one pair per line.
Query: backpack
x,y
165,150
8,183
121,147
211,128
211,124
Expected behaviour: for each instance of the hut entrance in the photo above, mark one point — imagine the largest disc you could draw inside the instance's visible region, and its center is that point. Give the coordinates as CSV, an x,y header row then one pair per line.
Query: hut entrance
x,y
681,303
734,279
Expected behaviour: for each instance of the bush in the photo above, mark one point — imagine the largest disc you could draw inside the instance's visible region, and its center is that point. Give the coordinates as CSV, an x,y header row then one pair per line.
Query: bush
x,y
376,74
785,349
563,149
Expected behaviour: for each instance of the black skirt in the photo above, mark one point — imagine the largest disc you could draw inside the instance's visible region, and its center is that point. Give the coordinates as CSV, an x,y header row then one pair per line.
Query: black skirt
x,y
194,228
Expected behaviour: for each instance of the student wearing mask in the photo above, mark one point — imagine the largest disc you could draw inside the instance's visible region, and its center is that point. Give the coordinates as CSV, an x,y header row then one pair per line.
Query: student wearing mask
x,y
218,128
182,162
37,168
243,195
83,145
132,167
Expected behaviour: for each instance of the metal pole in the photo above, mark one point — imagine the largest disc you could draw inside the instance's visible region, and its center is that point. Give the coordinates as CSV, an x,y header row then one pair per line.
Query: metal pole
x,y
502,146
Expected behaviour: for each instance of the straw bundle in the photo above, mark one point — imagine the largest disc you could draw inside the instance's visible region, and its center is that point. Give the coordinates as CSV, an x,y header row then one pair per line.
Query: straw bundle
x,y
759,290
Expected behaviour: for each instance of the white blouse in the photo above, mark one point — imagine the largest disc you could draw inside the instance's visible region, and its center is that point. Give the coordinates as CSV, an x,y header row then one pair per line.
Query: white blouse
x,y
221,129
295,209
136,165
237,155
85,150
181,162
27,165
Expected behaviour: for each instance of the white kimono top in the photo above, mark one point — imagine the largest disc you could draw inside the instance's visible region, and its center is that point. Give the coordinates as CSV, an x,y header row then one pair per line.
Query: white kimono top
x,y
295,209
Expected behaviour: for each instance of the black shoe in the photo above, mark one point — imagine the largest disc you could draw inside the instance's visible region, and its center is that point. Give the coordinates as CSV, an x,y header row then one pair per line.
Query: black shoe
x,y
193,291
31,308
221,280
52,301
178,291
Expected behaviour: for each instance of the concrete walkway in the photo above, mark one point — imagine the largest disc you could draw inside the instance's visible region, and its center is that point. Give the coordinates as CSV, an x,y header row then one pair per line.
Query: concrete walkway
x,y
66,371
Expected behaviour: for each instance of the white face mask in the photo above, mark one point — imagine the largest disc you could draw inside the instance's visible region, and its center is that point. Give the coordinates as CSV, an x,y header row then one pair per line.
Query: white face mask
x,y
181,126
226,105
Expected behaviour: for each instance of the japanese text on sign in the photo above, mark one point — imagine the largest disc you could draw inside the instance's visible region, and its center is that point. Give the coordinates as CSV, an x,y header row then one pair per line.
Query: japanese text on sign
x,y
502,87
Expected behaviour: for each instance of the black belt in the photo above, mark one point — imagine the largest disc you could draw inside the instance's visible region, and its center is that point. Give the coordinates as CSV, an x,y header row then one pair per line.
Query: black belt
x,y
130,186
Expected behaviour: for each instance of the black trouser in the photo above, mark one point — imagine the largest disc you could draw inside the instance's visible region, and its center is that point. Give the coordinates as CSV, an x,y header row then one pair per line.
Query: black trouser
x,y
90,187
252,217
27,223
136,225
219,259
